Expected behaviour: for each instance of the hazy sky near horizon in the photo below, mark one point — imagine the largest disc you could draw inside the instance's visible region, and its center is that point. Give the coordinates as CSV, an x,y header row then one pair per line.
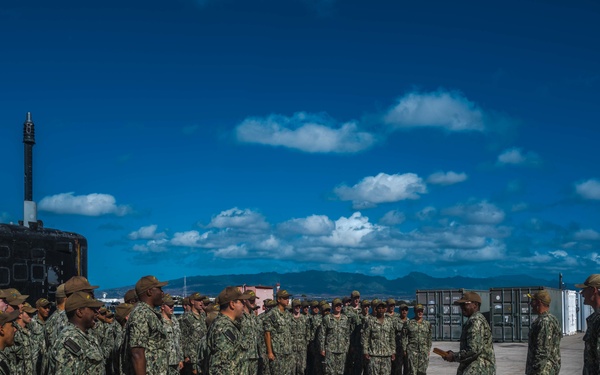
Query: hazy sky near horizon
x,y
211,137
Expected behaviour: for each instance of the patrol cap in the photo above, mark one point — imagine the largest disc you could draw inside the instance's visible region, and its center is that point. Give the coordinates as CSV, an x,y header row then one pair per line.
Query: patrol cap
x,y
377,302
336,301
314,303
592,280
305,303
365,302
78,283
3,294
326,306
168,300
283,294
130,296
390,301
205,300
60,291
419,307
230,293
81,299
196,297
8,317
185,301
403,306
266,301
212,307
296,302
271,303
146,283
42,302
355,293
15,297
468,297
251,294
122,310
28,308
543,296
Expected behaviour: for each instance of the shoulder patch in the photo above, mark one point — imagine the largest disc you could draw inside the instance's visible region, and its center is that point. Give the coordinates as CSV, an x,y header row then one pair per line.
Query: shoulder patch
x,y
72,346
229,335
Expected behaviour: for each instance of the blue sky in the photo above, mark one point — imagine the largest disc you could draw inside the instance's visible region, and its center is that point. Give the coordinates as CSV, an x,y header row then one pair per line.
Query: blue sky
x,y
209,137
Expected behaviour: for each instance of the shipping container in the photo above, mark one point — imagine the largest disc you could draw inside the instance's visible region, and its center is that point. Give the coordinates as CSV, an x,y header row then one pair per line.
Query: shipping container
x,y
583,311
511,313
446,318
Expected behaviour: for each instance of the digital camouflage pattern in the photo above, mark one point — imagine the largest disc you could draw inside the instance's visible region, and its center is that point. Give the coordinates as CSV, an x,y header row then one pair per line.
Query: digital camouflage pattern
x,y
334,339
21,353
75,353
4,363
38,340
300,334
175,353
193,328
54,325
144,329
591,352
476,355
418,346
278,324
253,333
379,343
543,352
400,365
228,354
315,363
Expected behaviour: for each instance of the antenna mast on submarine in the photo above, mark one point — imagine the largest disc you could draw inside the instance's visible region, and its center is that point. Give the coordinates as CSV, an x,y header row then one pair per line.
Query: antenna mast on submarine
x,y
29,206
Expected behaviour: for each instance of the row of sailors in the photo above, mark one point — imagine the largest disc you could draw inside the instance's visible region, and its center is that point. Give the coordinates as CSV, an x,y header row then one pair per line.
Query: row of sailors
x,y
224,337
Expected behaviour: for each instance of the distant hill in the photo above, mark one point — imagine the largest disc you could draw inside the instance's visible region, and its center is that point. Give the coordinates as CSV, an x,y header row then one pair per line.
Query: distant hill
x,y
321,284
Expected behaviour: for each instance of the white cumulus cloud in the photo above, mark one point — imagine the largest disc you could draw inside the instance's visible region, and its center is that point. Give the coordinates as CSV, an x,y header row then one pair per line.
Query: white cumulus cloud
x,y
305,132
350,231
191,238
314,225
515,156
589,189
382,188
87,205
442,109
446,178
247,220
146,233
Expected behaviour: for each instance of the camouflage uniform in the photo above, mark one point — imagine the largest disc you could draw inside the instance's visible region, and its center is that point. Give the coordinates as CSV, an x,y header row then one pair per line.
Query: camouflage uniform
x,y
75,352
193,329
38,340
314,357
21,353
401,362
263,367
379,342
4,363
543,352
476,355
353,358
278,324
228,356
252,332
144,329
55,324
334,339
175,354
115,359
299,329
591,353
418,347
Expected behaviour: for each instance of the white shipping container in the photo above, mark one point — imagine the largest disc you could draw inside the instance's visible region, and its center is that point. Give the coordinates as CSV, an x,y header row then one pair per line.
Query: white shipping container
x,y
583,311
569,322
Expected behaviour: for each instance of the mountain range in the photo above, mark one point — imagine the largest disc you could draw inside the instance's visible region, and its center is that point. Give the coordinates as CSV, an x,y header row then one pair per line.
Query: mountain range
x,y
327,284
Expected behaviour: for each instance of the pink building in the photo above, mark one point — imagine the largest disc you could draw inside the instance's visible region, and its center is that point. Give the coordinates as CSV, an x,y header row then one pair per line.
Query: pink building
x,y
262,292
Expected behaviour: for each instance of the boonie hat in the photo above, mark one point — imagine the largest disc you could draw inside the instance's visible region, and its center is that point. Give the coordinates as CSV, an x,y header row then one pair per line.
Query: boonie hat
x,y
543,296
146,283
592,280
468,297
81,299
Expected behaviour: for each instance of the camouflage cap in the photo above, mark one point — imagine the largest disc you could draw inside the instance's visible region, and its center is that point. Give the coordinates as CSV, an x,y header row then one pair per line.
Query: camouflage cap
x,y
543,296
8,317
403,306
212,307
375,302
130,296
336,301
355,293
15,297
314,303
321,303
305,303
229,294
283,294
122,310
205,300
296,302
168,300
390,301
468,297
196,297
60,291
147,283
592,280
419,307
42,302
266,301
272,303
326,307
251,294
78,283
28,308
3,293
365,302
81,299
